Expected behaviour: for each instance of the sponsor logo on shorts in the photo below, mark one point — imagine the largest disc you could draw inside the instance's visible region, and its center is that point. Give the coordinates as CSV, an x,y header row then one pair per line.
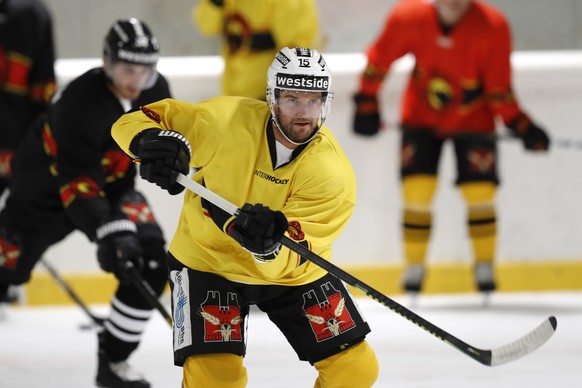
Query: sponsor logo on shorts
x,y
182,334
407,155
481,161
328,318
222,323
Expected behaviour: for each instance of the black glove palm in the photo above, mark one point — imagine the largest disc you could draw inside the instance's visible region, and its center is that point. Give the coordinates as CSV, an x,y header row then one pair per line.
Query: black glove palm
x,y
367,117
162,154
259,230
118,245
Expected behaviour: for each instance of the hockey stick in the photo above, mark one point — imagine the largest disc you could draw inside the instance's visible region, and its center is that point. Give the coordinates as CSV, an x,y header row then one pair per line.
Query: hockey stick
x,y
563,143
147,291
492,357
72,294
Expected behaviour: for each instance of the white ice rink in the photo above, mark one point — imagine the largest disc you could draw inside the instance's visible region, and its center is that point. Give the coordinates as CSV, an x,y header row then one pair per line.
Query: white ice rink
x,y
44,347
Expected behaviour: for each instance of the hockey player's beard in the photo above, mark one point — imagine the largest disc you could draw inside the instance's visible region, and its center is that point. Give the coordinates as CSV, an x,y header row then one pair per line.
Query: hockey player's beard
x,y
295,130
298,130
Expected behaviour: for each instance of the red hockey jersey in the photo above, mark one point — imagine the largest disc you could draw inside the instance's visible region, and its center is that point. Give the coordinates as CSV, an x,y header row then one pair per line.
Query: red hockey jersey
x,y
461,78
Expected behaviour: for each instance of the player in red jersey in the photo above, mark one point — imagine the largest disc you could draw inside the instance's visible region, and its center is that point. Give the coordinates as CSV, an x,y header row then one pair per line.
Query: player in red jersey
x,y
459,87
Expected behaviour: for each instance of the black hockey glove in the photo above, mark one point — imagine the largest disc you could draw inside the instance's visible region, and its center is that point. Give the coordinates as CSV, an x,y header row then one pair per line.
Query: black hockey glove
x,y
259,230
162,155
367,116
534,138
118,245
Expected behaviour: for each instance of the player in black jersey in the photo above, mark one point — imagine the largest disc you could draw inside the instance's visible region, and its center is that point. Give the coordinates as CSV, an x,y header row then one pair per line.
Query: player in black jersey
x,y
27,76
70,175
27,79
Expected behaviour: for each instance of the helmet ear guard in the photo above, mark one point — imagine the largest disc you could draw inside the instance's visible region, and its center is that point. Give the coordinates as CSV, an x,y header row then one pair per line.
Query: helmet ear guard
x,y
303,70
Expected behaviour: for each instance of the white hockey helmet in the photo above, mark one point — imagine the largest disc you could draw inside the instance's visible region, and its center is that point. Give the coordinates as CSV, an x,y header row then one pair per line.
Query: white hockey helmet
x,y
300,69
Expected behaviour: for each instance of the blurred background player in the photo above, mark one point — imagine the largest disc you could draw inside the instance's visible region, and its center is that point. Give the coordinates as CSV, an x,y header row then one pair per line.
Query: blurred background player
x,y
252,33
27,76
27,81
266,155
460,85
69,175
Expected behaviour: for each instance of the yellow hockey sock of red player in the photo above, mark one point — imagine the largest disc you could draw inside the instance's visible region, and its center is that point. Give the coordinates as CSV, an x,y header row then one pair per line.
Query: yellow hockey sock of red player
x,y
481,219
417,191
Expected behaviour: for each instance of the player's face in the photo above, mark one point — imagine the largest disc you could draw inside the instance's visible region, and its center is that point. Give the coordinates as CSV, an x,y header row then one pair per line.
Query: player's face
x,y
451,11
129,79
298,113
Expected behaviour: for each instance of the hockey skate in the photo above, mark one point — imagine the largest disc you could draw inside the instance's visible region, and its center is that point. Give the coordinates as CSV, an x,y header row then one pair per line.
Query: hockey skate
x,y
118,374
413,278
12,295
484,277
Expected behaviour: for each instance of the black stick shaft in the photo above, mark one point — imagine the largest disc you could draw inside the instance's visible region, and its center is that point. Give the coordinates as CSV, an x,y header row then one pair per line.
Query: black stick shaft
x,y
479,355
148,293
69,290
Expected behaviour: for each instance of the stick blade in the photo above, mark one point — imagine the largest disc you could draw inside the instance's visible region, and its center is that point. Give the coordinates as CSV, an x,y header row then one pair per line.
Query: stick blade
x,y
526,344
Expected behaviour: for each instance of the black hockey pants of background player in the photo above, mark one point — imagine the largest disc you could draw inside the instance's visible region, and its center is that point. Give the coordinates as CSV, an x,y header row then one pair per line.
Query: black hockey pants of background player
x,y
33,220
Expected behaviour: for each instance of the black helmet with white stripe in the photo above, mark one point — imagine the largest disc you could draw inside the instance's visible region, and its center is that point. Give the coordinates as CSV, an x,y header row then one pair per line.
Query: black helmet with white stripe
x,y
131,40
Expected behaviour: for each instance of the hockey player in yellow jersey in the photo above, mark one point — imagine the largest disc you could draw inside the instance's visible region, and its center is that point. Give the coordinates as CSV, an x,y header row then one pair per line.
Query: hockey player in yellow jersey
x,y
252,33
284,168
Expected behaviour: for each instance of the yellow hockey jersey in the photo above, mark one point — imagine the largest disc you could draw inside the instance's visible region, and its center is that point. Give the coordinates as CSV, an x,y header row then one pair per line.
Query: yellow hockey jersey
x,y
234,149
253,31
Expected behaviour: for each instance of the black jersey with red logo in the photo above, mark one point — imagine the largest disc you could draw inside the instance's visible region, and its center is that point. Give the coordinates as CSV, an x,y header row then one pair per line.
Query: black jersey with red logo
x,y
27,77
71,161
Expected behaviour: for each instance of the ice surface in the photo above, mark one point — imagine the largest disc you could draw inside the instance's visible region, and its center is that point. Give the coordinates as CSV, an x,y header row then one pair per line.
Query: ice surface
x,y
44,347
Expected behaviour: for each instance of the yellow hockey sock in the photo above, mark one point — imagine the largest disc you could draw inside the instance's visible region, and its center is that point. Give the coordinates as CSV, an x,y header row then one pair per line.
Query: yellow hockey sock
x,y
418,191
223,370
356,367
481,219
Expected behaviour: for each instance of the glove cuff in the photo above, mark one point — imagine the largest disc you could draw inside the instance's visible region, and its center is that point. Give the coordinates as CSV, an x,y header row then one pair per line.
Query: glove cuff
x,y
179,136
151,133
263,258
520,125
115,226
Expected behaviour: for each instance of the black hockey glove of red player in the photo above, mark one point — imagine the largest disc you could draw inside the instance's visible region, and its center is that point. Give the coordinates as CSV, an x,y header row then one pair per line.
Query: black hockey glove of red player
x,y
162,155
117,246
534,138
259,230
367,116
